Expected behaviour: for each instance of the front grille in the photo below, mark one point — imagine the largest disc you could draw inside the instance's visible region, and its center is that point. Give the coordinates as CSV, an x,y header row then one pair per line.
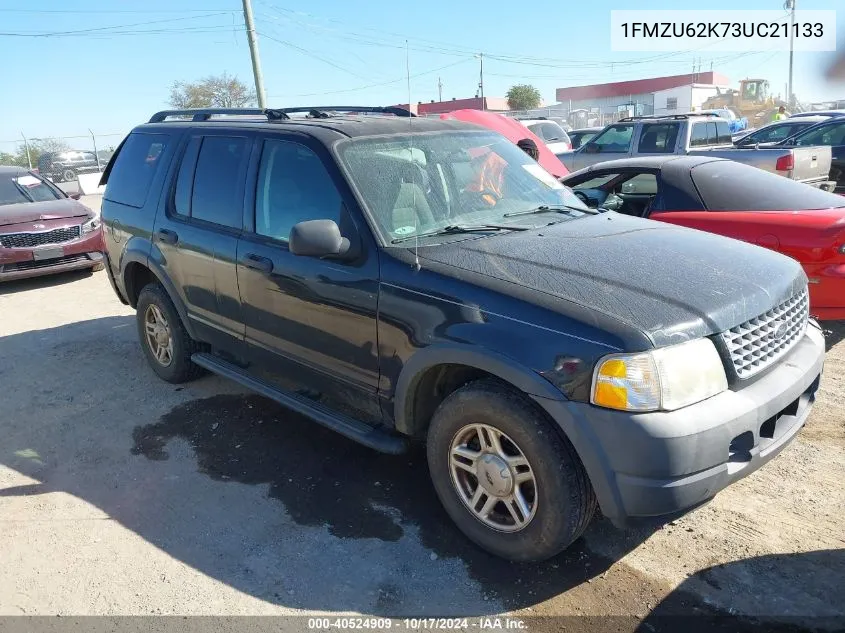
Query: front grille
x,y
45,263
760,342
28,240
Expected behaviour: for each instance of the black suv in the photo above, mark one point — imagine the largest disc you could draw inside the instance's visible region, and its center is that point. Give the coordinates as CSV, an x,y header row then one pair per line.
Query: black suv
x,y
66,166
397,278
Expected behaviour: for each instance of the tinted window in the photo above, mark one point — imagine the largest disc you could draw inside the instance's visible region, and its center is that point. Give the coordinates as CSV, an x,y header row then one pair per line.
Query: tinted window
x,y
729,186
825,135
658,139
537,128
771,134
218,180
698,135
293,186
133,170
579,138
723,133
185,179
616,138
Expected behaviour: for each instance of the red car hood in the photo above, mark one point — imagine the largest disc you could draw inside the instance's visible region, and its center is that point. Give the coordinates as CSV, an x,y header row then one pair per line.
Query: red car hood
x,y
514,131
12,215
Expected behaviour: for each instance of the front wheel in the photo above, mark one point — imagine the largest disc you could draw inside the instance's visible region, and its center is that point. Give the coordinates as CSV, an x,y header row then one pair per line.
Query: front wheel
x,y
511,482
68,175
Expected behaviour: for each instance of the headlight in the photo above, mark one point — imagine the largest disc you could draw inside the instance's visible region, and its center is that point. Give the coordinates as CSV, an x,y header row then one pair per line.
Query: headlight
x,y
91,225
663,379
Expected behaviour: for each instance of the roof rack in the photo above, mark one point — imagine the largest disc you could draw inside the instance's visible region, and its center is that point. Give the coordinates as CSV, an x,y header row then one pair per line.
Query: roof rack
x,y
274,114
667,116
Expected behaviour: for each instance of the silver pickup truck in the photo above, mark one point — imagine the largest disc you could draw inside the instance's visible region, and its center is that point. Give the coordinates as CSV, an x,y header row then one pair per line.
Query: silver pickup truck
x,y
698,134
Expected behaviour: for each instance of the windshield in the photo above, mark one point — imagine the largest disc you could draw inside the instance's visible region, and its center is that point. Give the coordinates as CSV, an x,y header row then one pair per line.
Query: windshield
x,y
420,183
23,187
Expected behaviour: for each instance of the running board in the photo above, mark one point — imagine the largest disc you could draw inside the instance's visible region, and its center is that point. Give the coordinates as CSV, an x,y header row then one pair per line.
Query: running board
x,y
348,427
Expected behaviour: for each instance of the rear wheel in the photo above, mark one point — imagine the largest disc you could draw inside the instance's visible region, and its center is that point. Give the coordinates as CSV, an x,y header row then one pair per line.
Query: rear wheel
x,y
68,175
164,339
511,482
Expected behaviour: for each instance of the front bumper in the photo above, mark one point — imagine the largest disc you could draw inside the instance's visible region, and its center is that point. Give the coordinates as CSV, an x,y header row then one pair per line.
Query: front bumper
x,y
79,254
648,464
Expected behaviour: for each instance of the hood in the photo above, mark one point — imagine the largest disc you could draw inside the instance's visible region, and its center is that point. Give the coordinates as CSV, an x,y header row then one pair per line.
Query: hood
x,y
36,211
671,283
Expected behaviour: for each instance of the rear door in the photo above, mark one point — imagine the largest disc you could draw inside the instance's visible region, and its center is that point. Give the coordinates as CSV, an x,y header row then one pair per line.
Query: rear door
x,y
196,240
310,323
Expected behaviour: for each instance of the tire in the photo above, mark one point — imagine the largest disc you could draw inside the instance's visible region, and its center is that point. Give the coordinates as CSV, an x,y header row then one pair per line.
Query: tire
x,y
563,502
179,369
68,175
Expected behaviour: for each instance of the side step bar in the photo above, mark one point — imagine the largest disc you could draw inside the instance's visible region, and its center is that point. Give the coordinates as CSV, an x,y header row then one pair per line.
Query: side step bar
x,y
353,429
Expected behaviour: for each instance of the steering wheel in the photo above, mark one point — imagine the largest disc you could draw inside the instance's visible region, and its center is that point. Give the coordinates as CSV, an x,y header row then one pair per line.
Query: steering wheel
x,y
582,197
484,199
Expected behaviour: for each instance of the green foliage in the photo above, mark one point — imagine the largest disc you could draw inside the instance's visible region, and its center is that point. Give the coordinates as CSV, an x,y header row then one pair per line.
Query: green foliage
x,y
523,97
37,146
216,91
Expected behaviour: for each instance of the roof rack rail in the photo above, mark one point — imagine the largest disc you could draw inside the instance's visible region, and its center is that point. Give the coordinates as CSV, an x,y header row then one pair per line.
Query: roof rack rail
x,y
204,114
323,112
274,114
667,116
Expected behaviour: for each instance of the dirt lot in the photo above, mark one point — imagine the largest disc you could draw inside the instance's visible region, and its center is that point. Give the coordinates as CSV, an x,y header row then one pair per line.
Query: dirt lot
x,y
120,494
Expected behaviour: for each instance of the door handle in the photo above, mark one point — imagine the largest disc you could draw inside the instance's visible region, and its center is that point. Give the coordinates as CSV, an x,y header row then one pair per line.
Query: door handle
x,y
256,262
167,236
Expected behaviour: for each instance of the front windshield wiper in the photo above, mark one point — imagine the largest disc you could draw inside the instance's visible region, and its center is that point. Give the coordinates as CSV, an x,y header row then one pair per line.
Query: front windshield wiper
x,y
23,190
544,208
461,228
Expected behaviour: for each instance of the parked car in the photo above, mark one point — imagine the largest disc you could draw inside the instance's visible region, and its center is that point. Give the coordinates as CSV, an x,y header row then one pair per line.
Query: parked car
x,y
43,230
697,134
583,135
66,166
735,200
830,133
425,278
551,133
827,113
778,131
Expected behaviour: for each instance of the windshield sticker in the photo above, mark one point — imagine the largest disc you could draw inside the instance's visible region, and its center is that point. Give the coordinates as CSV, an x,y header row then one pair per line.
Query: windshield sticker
x,y
28,181
404,230
543,176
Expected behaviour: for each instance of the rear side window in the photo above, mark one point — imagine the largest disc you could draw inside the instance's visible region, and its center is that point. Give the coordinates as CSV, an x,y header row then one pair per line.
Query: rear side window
x,y
134,168
218,181
723,133
698,135
728,186
658,138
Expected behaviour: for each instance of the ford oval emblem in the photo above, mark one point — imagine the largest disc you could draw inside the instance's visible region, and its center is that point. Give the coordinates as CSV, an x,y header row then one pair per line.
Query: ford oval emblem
x,y
780,330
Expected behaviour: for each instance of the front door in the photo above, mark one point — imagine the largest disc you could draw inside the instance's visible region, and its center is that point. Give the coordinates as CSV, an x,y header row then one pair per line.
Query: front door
x,y
310,323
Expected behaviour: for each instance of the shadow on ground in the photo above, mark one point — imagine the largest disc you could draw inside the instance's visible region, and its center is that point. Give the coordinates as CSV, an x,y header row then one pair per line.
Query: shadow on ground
x,y
834,332
47,281
348,529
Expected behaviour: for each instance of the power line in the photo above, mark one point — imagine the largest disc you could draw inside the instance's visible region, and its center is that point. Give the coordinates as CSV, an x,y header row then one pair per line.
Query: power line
x,y
101,29
312,54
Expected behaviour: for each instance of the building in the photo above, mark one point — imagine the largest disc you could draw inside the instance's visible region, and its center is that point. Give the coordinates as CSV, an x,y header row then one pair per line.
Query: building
x,y
493,104
675,94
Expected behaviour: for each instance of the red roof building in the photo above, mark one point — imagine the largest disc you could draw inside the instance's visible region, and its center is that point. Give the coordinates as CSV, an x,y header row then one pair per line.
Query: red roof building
x,y
493,104
639,86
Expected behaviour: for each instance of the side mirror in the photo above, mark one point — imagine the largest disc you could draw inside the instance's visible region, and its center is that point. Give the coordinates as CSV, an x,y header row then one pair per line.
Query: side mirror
x,y
318,238
592,148
75,195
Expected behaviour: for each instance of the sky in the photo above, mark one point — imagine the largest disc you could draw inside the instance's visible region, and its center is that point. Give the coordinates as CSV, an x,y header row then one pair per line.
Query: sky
x,y
107,65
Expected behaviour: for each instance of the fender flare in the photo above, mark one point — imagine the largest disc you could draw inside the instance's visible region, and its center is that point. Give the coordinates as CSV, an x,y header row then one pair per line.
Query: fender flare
x,y
138,255
493,363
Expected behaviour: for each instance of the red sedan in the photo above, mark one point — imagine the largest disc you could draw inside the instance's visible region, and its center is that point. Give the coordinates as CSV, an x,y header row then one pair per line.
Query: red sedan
x,y
735,200
42,230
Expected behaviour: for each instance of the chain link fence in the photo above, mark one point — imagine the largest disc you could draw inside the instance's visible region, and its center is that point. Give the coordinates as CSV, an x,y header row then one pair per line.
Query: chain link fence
x,y
26,150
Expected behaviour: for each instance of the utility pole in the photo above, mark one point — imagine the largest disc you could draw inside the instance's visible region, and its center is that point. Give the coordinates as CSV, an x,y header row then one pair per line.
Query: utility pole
x,y
439,89
94,141
26,148
481,80
253,51
789,5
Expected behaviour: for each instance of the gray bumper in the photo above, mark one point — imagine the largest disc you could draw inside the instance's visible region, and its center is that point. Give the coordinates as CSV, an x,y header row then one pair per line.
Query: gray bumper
x,y
658,463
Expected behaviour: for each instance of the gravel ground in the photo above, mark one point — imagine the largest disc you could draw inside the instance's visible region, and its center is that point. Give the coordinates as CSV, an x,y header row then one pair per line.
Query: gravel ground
x,y
123,495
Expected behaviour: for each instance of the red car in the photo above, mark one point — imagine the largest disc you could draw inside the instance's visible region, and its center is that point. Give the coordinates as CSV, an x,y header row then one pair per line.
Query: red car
x,y
735,200
43,230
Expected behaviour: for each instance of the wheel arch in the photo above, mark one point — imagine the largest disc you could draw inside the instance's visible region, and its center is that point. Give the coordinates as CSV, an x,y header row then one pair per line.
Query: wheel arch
x,y
462,364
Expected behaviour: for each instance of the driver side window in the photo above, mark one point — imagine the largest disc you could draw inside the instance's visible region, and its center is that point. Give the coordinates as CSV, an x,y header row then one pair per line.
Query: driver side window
x,y
615,139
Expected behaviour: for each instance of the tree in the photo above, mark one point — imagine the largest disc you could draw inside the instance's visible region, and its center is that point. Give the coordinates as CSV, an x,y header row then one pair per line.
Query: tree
x,y
215,91
523,97
37,146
